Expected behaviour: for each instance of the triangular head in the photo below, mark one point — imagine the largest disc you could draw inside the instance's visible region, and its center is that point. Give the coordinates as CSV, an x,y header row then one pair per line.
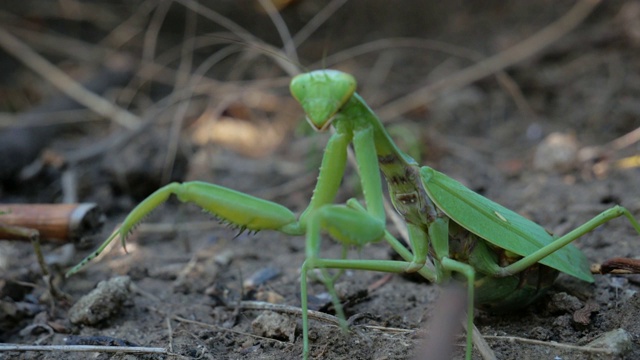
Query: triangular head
x,y
322,94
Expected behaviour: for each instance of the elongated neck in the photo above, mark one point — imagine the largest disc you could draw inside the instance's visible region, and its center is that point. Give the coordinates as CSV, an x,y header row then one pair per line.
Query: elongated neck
x,y
400,170
392,160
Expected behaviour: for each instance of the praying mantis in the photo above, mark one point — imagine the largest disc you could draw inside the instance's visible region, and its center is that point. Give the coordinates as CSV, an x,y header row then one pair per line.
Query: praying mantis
x,y
505,259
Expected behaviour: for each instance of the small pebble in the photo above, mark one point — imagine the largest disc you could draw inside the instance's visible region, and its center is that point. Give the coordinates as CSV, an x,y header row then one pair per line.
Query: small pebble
x,y
563,303
557,152
102,303
618,341
275,326
260,277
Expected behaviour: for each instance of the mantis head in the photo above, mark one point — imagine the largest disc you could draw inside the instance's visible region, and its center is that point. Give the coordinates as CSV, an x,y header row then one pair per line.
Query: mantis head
x,y
322,93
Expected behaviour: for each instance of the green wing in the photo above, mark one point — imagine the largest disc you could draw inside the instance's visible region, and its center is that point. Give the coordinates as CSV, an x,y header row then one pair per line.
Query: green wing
x,y
498,225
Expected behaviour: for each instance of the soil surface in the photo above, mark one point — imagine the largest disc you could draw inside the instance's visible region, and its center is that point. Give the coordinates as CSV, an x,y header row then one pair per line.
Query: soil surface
x,y
541,138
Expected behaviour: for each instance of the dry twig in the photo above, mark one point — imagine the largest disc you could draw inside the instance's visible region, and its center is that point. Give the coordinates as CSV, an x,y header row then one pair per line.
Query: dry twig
x,y
493,64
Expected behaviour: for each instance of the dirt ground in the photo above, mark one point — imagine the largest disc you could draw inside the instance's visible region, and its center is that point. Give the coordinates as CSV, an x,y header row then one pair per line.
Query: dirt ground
x,y
542,137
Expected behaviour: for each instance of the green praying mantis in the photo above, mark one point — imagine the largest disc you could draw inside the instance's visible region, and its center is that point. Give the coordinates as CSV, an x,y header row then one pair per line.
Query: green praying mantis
x,y
505,259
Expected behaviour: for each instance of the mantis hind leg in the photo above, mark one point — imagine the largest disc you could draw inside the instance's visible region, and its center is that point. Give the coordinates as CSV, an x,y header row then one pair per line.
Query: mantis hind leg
x,y
469,273
571,236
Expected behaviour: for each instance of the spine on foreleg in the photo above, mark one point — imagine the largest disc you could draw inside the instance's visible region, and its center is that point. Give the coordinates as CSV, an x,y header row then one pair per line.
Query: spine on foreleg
x,y
239,209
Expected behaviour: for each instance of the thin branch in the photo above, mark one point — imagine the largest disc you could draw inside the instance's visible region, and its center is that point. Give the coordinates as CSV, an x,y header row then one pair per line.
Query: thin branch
x,y
283,30
220,328
242,33
320,18
493,64
64,82
317,315
86,348
552,344
287,309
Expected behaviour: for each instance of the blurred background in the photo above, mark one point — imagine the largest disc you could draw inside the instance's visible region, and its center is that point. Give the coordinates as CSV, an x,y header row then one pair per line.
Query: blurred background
x,y
106,101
